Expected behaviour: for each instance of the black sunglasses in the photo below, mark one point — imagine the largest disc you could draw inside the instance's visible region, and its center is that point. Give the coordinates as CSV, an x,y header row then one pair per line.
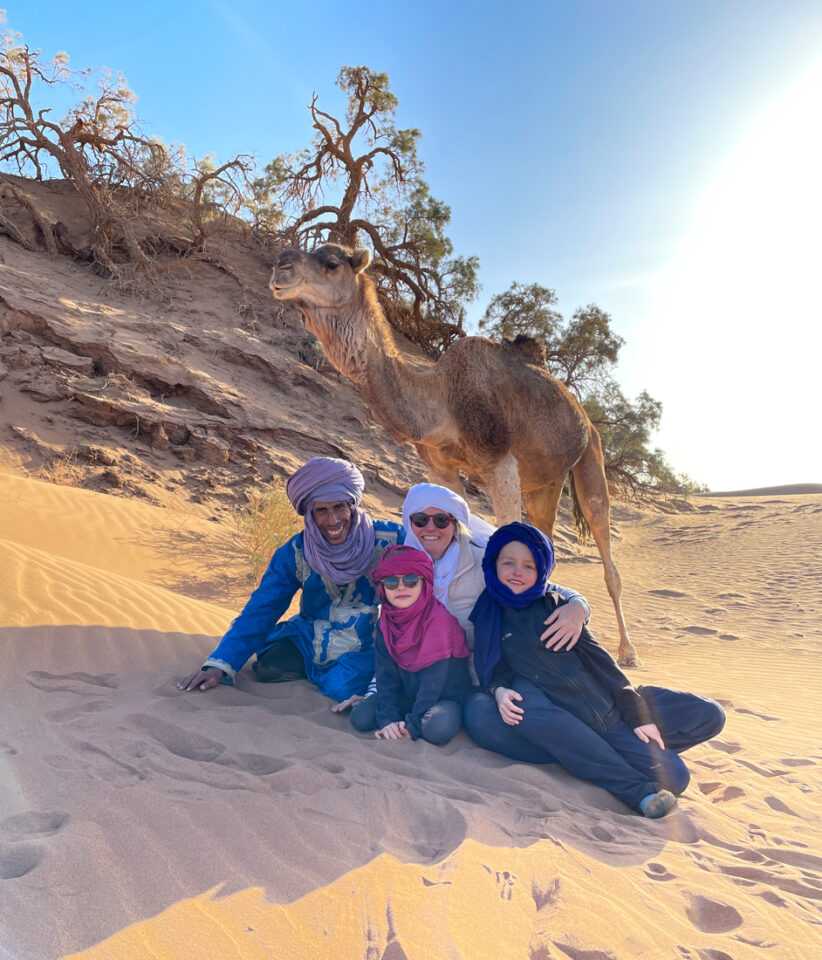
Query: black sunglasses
x,y
441,520
408,580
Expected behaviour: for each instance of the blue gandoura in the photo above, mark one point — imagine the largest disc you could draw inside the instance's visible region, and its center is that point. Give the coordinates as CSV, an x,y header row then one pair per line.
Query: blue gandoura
x,y
331,640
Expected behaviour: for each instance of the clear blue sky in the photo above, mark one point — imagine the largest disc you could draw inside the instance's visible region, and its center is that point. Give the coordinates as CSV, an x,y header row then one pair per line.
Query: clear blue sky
x,y
659,158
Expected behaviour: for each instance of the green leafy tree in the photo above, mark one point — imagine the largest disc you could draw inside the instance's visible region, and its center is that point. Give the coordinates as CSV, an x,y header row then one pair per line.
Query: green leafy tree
x,y
587,349
625,428
582,353
361,180
525,309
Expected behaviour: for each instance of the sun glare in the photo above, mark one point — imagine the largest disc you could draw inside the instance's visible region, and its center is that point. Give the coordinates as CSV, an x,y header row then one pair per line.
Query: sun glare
x,y
733,338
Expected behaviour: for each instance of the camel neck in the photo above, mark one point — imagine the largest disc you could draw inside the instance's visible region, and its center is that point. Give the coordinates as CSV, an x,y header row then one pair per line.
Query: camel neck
x,y
360,344
400,396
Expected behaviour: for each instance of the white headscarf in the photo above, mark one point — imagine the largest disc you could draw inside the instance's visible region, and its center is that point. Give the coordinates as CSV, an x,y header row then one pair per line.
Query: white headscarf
x,y
424,495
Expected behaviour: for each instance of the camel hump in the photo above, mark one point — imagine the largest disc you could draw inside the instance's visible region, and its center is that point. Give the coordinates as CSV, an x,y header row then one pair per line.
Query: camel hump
x,y
530,349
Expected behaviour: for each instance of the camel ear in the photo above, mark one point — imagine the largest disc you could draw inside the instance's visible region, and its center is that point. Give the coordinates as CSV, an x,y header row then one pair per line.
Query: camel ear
x,y
359,259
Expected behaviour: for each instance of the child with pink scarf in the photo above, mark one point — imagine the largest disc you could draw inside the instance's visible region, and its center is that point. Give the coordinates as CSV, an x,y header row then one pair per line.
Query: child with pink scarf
x,y
421,654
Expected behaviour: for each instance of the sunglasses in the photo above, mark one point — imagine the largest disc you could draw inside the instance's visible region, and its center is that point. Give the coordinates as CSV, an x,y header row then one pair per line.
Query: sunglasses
x,y
441,520
408,580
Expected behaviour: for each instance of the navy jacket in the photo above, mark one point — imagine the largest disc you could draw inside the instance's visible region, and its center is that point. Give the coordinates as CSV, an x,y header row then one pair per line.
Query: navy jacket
x,y
407,695
587,673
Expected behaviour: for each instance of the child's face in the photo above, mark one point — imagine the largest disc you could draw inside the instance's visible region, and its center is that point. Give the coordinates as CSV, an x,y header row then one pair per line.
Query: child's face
x,y
402,596
516,567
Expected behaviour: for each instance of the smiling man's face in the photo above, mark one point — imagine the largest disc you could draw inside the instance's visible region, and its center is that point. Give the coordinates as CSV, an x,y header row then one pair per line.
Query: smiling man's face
x,y
333,520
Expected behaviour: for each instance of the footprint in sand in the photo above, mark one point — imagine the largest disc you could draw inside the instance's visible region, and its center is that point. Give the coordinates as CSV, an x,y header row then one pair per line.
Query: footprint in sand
x,y
108,766
394,951
667,593
701,631
725,746
71,682
32,825
712,916
762,771
795,858
80,710
504,880
505,884
729,793
728,636
261,765
575,953
658,871
182,743
711,954
773,898
432,835
435,883
334,768
709,765
776,804
797,762
16,860
543,896
461,794
194,746
759,716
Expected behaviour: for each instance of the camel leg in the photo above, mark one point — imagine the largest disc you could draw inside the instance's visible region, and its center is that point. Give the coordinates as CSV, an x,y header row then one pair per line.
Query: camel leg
x,y
541,506
503,482
592,493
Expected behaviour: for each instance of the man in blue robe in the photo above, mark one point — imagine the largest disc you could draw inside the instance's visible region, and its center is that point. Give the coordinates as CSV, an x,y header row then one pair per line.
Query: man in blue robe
x,y
331,640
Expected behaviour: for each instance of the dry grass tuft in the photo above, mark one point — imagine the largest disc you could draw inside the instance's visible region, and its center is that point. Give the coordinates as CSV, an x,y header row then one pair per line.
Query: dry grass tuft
x,y
64,471
265,523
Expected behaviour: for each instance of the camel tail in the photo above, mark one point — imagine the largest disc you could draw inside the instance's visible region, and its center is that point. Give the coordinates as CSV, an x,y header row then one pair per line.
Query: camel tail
x,y
583,529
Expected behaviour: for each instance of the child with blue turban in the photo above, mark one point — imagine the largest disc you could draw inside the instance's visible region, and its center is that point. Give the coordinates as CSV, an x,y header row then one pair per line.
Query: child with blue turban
x,y
576,705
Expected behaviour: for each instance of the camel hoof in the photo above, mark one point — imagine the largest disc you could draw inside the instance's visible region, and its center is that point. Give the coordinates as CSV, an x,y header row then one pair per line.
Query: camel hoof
x,y
629,658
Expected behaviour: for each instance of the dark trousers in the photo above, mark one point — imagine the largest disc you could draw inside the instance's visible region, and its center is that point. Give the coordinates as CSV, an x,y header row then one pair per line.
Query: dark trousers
x,y
439,724
280,662
616,760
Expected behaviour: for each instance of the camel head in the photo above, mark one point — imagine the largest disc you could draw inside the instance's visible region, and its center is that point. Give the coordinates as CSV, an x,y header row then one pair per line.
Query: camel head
x,y
325,278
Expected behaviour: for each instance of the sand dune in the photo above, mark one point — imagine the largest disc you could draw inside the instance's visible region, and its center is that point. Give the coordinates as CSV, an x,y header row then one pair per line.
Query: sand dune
x,y
139,822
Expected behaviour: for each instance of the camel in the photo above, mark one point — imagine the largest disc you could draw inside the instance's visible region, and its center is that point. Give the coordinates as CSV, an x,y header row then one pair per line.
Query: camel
x,y
491,410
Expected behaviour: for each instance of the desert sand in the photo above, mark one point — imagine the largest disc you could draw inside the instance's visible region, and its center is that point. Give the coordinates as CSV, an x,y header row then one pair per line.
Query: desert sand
x,y
140,822
137,821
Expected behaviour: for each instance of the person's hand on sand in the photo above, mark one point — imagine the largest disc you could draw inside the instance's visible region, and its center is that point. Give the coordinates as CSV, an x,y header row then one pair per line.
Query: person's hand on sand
x,y
508,710
205,679
564,626
344,705
392,731
648,732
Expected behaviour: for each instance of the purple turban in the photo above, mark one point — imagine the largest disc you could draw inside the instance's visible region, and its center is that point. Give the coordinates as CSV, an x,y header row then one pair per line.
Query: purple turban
x,y
328,480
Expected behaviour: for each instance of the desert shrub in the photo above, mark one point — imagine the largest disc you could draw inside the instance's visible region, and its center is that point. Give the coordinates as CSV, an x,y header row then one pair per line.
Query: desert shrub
x,y
65,471
263,524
